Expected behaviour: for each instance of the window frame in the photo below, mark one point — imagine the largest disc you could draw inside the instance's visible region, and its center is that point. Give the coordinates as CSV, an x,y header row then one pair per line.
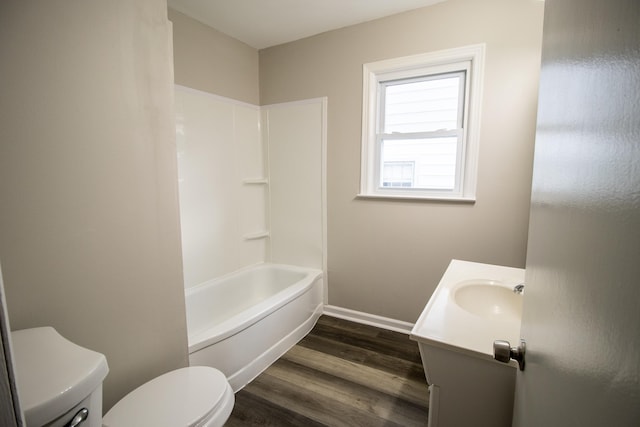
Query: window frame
x,y
377,74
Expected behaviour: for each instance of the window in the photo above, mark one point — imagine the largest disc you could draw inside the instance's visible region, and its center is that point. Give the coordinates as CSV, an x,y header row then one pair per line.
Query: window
x,y
397,174
420,125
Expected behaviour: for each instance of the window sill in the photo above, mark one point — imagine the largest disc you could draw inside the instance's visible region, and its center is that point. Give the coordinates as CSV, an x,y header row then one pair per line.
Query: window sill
x,y
456,199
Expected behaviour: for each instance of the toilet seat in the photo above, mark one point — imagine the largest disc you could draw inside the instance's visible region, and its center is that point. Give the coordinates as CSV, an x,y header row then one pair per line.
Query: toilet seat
x,y
197,396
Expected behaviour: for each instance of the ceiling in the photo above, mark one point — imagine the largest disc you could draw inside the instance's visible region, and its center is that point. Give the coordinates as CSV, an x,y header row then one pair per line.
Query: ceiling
x,y
265,23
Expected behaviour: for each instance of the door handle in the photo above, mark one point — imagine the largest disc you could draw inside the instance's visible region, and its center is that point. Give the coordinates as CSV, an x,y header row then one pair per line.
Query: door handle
x,y
503,352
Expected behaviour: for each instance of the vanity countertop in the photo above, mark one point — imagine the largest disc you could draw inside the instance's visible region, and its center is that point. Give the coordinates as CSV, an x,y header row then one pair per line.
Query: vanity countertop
x,y
445,323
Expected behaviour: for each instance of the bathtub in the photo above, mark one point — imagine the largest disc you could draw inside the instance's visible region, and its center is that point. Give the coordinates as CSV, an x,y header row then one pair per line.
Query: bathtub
x,y
243,322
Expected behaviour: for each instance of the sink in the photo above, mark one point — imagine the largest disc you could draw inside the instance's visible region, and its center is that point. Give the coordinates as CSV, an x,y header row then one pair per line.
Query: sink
x,y
472,306
488,298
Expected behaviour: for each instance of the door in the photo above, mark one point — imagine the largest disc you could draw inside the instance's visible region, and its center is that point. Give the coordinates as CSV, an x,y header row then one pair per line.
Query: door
x,y
10,415
582,297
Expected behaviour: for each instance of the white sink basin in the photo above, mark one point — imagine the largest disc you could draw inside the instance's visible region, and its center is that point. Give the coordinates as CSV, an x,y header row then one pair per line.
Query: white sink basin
x,y
472,306
488,298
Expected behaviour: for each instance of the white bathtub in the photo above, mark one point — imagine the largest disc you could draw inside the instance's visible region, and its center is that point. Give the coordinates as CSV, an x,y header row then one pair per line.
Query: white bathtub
x,y
243,322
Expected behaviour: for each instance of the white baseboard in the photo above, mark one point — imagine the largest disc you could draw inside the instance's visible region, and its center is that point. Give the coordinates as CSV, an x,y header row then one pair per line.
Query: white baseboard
x,y
368,319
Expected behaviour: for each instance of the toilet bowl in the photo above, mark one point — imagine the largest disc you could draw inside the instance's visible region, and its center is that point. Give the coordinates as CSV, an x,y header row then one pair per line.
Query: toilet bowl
x,y
194,396
60,383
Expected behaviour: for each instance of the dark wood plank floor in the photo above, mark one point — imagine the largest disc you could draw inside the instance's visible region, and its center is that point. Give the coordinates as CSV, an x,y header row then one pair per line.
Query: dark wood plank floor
x,y
341,374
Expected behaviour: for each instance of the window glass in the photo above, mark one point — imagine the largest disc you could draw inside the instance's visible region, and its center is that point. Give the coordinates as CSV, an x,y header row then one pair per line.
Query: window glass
x,y
397,174
433,161
422,106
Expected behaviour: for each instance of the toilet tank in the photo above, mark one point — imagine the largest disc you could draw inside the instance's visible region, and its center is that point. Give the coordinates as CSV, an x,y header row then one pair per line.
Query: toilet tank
x,y
57,380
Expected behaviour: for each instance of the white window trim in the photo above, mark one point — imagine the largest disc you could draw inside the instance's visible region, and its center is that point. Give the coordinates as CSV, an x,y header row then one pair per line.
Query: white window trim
x,y
375,72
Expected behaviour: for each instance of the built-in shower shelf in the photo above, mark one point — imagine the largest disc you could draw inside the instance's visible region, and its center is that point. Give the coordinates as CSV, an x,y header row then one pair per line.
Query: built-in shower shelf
x,y
255,181
256,236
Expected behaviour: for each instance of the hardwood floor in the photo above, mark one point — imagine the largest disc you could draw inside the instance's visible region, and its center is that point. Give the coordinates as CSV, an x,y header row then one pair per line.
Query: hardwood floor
x,y
341,374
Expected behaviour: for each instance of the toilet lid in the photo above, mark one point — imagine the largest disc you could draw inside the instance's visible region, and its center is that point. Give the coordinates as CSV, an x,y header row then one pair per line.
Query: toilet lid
x,y
180,398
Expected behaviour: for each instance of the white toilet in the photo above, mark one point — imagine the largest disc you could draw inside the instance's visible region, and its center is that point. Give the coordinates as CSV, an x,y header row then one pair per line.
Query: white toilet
x,y
60,384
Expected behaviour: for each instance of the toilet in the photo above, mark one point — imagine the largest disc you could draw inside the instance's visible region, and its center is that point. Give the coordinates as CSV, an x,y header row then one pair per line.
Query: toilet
x,y
60,384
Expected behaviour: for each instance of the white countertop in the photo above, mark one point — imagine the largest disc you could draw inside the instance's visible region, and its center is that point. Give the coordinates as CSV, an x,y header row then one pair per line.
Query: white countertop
x,y
443,323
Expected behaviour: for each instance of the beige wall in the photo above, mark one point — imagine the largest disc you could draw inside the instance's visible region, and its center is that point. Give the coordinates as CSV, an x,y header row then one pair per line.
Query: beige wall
x,y
209,60
89,228
386,257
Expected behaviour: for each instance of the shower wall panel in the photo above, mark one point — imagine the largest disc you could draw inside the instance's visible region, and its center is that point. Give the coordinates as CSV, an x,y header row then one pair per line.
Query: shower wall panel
x,y
220,157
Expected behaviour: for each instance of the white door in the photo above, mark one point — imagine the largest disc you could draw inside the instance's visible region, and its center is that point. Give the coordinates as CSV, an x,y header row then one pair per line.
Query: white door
x,y
582,297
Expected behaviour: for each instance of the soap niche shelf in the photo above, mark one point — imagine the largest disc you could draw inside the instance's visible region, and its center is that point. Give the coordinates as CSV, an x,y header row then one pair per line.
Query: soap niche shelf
x,y
259,234
255,181
256,236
